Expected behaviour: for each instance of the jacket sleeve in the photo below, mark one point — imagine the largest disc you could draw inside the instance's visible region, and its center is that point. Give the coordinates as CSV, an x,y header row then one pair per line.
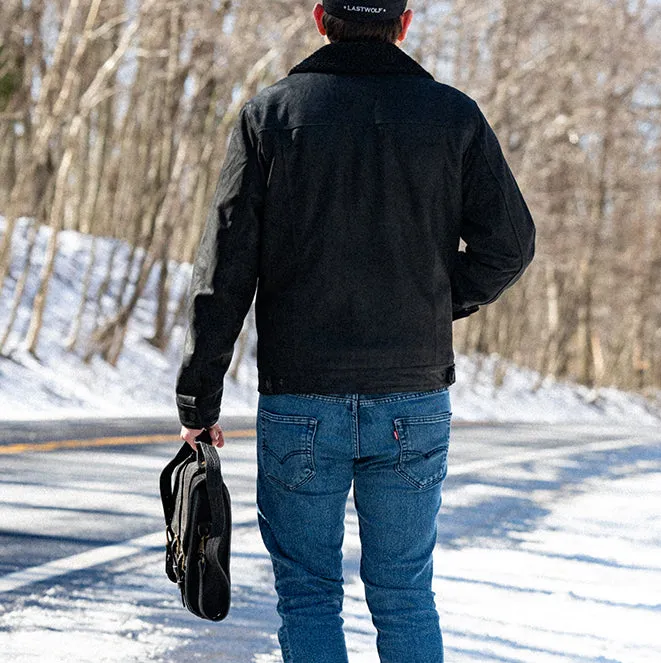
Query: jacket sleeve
x,y
224,279
496,225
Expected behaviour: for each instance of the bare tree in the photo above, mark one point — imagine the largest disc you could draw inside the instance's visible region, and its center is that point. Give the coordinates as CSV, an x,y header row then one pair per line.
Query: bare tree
x,y
115,121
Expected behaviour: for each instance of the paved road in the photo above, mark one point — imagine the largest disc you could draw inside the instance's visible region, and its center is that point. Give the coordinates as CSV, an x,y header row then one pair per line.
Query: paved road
x,y
68,500
69,487
62,501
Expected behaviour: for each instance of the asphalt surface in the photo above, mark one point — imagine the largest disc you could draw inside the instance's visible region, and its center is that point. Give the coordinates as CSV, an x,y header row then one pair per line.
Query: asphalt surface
x,y
64,491
65,501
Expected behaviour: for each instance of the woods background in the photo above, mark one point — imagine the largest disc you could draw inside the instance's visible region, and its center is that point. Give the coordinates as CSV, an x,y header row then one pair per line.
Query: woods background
x,y
115,114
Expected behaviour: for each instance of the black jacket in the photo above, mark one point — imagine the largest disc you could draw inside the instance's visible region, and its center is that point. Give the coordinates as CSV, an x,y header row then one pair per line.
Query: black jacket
x,y
345,190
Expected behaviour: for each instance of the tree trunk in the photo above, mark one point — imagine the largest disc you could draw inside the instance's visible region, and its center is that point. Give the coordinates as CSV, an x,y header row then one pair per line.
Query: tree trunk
x,y
77,321
20,286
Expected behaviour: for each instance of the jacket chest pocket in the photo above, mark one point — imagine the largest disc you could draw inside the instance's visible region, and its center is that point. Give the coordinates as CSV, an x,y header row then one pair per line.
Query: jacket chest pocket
x,y
286,448
424,442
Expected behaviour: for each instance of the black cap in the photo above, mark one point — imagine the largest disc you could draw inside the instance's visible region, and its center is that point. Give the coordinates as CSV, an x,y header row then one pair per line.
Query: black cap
x,y
364,11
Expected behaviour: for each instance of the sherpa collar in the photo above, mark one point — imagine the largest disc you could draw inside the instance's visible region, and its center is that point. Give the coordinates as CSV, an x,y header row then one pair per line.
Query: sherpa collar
x,y
360,57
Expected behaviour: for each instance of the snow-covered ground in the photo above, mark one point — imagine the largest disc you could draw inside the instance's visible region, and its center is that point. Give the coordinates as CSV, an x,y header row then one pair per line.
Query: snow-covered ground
x,y
59,384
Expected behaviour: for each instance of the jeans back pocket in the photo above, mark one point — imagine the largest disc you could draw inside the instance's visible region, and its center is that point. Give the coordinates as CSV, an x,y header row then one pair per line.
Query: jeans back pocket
x,y
424,443
286,447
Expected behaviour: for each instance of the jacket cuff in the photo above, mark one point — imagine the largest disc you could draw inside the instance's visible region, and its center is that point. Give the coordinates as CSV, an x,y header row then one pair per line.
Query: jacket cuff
x,y
199,412
464,312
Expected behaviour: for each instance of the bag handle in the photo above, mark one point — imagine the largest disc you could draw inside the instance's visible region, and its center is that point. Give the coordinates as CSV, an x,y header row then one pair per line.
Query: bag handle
x,y
209,454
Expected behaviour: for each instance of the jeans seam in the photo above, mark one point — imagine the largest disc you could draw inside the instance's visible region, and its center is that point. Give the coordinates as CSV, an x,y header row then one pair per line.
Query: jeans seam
x,y
355,429
420,485
321,397
407,397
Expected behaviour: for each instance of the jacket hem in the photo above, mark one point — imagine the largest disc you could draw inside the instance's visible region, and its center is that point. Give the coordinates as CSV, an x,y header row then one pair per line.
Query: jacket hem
x,y
367,381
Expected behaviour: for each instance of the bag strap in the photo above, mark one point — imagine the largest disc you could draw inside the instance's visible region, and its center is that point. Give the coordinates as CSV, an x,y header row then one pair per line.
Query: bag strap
x,y
214,477
166,482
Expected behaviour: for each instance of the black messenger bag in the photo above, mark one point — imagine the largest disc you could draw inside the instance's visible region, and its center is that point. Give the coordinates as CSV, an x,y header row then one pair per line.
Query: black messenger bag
x,y
198,524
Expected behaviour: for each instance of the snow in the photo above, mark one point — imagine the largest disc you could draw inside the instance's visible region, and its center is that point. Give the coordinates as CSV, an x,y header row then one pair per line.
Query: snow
x,y
60,385
583,586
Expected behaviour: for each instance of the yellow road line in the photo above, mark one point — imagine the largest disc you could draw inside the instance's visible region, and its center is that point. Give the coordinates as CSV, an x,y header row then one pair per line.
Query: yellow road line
x,y
127,440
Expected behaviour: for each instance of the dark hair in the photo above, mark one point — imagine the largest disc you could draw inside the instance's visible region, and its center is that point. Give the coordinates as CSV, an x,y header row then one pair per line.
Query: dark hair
x,y
337,29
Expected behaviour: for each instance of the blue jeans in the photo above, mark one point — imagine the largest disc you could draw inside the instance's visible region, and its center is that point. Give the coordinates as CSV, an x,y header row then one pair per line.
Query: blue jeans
x,y
393,447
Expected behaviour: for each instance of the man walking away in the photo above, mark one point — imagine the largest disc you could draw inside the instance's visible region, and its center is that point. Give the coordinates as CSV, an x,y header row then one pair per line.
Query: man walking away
x,y
345,191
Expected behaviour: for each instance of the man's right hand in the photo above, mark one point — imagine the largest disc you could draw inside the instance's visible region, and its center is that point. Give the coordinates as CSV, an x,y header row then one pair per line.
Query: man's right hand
x,y
189,435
